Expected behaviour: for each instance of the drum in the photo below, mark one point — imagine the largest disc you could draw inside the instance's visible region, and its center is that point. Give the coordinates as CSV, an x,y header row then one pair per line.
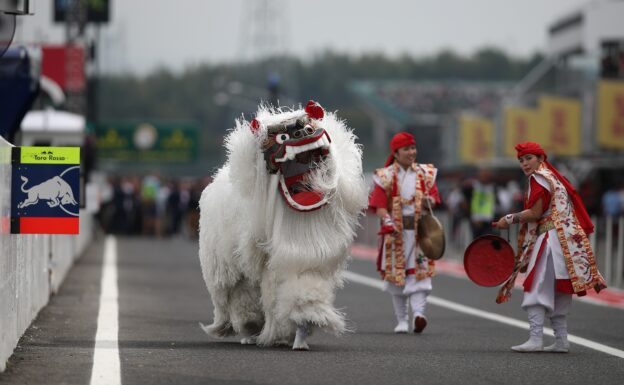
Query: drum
x,y
489,260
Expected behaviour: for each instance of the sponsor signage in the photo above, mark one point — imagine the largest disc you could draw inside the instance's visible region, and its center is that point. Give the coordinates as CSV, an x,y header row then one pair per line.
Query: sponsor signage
x,y
476,138
611,114
98,11
147,142
45,190
65,65
521,125
561,123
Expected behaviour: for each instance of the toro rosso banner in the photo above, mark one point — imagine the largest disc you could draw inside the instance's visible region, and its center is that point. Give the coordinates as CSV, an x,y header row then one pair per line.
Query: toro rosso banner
x,y
45,190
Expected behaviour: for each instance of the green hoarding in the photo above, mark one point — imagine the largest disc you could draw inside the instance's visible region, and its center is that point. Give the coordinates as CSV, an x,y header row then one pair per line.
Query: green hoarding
x,y
147,142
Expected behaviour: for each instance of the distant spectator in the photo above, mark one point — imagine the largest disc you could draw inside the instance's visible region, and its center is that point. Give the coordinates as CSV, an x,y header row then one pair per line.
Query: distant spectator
x,y
611,203
173,210
150,189
482,204
457,206
590,192
509,198
193,207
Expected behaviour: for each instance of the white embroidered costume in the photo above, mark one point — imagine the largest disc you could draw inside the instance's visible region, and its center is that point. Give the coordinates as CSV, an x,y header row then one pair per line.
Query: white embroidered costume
x,y
556,253
407,273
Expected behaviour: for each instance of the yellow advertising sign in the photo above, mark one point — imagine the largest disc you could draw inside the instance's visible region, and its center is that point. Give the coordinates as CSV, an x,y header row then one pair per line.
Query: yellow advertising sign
x,y
561,123
476,138
611,114
50,155
521,125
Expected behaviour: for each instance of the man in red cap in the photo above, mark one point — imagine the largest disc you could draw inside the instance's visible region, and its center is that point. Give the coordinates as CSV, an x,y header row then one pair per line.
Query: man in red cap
x,y
402,190
553,249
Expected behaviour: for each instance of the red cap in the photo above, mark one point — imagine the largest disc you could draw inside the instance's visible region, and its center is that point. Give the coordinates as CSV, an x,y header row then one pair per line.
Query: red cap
x,y
579,208
401,139
530,148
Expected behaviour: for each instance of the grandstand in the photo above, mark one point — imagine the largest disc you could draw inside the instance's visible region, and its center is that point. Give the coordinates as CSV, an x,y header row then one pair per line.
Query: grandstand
x,y
430,109
568,102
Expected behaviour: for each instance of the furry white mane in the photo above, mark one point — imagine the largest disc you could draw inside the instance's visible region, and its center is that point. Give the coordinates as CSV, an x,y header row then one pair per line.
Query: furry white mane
x,y
290,236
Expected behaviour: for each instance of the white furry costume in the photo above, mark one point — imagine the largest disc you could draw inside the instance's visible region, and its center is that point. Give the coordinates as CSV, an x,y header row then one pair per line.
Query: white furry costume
x,y
272,250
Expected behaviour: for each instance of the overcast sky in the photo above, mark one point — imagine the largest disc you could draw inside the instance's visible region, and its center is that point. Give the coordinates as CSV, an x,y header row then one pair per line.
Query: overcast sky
x,y
146,34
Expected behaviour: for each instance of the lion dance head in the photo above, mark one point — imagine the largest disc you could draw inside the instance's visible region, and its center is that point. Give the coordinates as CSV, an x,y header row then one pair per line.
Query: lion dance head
x,y
293,148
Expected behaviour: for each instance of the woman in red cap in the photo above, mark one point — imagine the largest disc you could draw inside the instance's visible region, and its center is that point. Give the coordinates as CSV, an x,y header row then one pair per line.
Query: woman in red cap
x,y
402,190
553,249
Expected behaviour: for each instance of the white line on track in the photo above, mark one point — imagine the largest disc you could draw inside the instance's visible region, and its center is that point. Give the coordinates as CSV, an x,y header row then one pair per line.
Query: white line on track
x,y
106,367
364,280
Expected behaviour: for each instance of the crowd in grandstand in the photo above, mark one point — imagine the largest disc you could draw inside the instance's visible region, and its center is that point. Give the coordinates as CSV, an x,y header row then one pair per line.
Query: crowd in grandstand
x,y
444,97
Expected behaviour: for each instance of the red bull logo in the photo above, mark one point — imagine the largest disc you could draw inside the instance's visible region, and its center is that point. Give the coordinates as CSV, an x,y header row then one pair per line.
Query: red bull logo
x,y
45,191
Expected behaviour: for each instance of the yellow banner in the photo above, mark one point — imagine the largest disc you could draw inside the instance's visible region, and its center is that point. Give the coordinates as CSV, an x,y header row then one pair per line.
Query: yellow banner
x,y
521,125
50,155
476,138
611,114
561,122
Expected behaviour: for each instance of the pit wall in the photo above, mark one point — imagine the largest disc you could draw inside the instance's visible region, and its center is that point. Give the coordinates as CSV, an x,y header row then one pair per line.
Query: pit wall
x,y
32,266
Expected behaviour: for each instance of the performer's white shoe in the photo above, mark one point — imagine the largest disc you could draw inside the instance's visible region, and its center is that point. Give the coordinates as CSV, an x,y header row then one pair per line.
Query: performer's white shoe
x,y
534,344
561,345
401,327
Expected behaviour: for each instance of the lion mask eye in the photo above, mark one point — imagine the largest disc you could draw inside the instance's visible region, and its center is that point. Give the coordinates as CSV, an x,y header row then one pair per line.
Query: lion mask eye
x,y
281,138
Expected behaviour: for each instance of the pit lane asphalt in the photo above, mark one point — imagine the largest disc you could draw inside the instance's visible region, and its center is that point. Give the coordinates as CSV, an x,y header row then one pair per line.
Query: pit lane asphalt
x,y
162,297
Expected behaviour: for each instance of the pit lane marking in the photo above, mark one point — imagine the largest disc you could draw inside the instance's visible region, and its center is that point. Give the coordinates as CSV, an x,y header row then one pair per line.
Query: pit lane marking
x,y
378,284
106,366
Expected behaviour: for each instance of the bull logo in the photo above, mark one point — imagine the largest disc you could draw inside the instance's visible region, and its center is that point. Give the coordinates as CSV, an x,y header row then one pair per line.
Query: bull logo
x,y
55,190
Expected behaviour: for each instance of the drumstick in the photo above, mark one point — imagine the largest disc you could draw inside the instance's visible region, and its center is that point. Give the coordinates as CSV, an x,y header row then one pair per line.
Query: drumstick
x,y
495,224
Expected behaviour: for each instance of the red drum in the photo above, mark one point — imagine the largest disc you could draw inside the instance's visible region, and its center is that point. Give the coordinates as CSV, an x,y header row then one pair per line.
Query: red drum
x,y
489,260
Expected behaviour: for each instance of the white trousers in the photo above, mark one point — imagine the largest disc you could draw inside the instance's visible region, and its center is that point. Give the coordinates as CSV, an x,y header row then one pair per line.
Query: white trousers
x,y
543,301
543,289
414,291
417,299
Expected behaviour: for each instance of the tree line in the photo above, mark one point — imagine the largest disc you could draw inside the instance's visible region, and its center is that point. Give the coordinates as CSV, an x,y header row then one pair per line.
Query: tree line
x,y
213,95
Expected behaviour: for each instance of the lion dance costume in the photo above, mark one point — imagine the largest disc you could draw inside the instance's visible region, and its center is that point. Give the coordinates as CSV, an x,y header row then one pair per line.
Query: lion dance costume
x,y
276,225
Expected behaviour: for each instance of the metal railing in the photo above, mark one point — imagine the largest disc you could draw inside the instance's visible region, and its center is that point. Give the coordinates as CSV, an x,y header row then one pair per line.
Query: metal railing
x,y
608,244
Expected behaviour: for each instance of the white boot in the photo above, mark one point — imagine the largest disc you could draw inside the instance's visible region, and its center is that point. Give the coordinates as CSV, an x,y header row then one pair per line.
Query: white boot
x,y
561,345
401,327
536,329
400,311
534,344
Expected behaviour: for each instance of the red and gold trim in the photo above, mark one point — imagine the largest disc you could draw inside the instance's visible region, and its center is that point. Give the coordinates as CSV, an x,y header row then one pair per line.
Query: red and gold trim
x,y
577,251
395,262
